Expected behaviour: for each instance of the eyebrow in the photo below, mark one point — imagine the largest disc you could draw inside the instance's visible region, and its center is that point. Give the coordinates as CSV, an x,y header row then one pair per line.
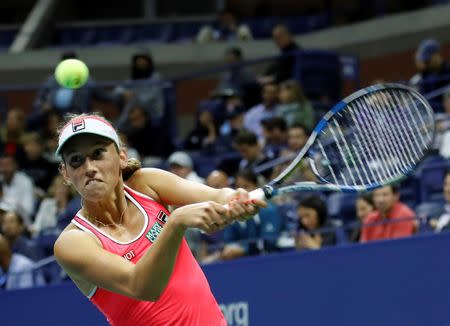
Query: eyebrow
x,y
99,142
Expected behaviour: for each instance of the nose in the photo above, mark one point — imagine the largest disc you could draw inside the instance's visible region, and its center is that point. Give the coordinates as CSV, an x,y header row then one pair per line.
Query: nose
x,y
91,168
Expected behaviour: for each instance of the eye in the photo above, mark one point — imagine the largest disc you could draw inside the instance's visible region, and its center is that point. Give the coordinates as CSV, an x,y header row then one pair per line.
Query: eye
x,y
76,160
98,153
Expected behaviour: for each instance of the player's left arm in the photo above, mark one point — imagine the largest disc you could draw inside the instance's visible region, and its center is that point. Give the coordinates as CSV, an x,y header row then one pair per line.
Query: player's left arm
x,y
173,190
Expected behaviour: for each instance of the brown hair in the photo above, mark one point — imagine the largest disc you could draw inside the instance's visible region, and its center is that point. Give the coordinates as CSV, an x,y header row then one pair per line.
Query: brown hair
x,y
132,165
295,89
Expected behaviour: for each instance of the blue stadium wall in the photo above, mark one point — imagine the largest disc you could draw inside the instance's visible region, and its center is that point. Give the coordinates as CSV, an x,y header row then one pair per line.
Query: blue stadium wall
x,y
403,282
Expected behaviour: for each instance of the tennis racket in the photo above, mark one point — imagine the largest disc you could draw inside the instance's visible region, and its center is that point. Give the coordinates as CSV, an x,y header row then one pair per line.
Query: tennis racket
x,y
374,137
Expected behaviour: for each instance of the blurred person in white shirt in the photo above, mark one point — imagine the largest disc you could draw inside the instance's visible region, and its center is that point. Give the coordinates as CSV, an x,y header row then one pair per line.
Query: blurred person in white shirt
x,y
18,189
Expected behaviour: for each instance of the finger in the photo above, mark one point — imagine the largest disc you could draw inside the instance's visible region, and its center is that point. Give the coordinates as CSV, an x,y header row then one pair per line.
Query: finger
x,y
237,209
218,214
219,208
242,194
219,219
208,227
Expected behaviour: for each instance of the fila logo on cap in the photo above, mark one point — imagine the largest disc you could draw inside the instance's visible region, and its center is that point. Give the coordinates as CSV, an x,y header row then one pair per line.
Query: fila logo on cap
x,y
78,124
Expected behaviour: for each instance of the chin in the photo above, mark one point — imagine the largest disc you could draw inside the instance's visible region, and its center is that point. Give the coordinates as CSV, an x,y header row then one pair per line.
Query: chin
x,y
94,194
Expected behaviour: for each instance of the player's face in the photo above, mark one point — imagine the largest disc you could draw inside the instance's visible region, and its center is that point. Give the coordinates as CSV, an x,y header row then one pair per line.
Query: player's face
x,y
309,217
384,198
447,188
93,165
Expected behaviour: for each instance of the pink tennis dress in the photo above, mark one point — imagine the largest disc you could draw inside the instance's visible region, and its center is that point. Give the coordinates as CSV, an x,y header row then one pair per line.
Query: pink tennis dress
x,y
187,299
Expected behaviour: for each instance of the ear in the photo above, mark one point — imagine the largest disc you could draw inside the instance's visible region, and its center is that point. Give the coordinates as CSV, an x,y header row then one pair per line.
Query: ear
x,y
123,155
62,169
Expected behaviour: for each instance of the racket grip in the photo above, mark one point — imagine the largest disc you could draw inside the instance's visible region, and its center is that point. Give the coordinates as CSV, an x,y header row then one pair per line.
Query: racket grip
x,y
255,194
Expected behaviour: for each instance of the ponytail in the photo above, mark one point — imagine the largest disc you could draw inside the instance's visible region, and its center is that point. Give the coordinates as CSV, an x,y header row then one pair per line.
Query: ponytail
x,y
132,166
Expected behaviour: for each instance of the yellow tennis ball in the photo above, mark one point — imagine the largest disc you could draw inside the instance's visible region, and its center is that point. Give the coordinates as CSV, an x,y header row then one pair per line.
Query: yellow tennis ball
x,y
72,73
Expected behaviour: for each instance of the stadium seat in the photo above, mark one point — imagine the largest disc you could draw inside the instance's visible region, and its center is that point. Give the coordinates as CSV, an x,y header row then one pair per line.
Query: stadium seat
x,y
431,180
409,191
341,206
154,33
7,36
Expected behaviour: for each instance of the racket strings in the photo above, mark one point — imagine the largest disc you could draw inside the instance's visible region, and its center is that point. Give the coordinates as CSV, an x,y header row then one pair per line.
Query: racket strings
x,y
376,137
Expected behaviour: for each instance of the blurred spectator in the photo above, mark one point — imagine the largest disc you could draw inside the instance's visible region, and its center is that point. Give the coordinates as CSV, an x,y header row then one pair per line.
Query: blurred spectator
x,y
294,106
17,187
144,89
312,215
268,220
275,136
297,135
237,77
11,133
433,71
442,222
241,238
443,127
59,196
283,68
234,123
49,134
35,165
17,235
204,134
131,151
180,163
16,270
4,206
364,207
388,211
250,151
265,110
140,129
51,96
226,28
211,244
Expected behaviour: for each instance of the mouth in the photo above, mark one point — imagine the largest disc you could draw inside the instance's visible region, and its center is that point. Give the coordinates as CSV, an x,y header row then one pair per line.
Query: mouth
x,y
92,180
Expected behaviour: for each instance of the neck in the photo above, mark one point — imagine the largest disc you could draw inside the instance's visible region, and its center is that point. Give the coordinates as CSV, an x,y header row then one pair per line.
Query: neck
x,y
110,211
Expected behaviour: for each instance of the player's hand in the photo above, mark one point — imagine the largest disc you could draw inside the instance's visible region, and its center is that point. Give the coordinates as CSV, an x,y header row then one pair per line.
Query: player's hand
x,y
240,207
208,216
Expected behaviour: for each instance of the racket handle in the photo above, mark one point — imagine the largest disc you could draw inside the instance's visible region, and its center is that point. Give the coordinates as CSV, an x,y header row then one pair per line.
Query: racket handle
x,y
257,194
260,193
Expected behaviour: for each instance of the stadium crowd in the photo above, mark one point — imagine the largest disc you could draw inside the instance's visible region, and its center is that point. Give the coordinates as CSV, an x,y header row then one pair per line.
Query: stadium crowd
x,y
237,134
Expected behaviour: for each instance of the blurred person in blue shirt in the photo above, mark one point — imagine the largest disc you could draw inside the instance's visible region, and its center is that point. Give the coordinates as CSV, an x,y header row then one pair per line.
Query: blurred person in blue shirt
x,y
433,71
256,235
16,270
18,237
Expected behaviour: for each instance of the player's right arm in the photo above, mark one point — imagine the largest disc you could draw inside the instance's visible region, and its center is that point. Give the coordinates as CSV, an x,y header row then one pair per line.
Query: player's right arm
x,y
85,260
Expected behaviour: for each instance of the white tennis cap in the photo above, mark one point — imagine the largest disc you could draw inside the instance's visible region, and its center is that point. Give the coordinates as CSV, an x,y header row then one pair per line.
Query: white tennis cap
x,y
87,124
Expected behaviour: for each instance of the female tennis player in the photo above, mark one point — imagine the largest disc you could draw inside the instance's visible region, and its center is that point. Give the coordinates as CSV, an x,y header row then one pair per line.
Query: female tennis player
x,y
122,249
